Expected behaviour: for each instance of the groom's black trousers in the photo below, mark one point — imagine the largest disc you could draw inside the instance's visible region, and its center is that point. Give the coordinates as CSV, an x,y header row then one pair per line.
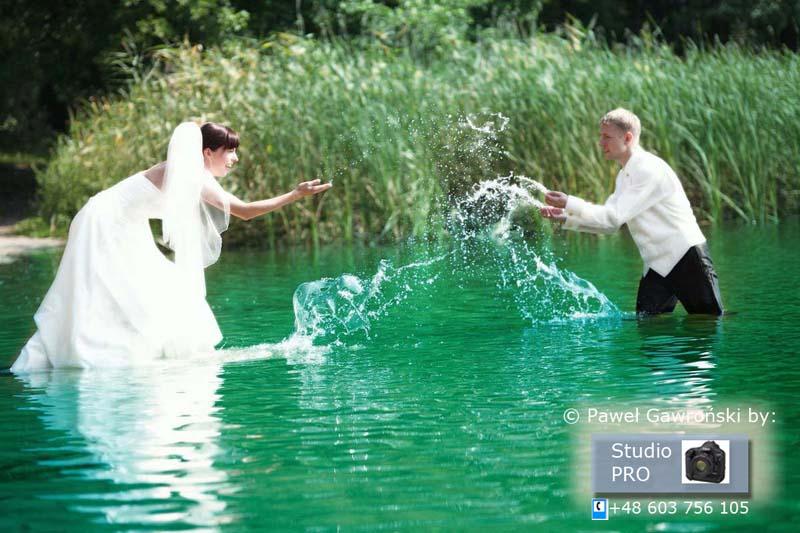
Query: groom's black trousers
x,y
693,281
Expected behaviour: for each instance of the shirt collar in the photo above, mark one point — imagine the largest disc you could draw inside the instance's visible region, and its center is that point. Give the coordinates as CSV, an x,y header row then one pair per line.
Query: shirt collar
x,y
635,154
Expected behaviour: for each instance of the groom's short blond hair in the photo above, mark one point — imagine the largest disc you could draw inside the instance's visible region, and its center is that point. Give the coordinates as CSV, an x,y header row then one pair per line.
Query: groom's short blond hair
x,y
624,120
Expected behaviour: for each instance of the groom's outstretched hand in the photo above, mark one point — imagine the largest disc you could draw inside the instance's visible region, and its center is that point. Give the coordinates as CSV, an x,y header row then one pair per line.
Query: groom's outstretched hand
x,y
556,199
554,210
553,213
309,188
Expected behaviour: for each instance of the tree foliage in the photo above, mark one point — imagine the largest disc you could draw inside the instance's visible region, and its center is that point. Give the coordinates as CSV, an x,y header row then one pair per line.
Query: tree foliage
x,y
56,54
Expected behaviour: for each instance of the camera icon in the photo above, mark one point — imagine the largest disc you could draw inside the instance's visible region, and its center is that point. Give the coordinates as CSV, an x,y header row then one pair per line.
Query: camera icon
x,y
705,461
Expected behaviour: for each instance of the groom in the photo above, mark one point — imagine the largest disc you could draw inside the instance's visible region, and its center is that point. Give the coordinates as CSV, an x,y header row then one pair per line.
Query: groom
x,y
649,198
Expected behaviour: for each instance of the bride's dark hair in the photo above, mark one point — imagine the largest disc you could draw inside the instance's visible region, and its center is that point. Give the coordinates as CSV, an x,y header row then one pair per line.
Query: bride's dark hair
x,y
216,135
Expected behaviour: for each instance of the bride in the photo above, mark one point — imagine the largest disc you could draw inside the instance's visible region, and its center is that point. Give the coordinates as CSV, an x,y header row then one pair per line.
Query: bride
x,y
116,299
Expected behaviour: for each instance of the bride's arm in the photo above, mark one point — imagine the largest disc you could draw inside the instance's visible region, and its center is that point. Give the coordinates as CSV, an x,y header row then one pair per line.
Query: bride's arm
x,y
247,210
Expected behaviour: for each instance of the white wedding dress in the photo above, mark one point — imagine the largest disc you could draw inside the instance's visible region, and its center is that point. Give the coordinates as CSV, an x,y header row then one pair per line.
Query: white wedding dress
x,y
117,300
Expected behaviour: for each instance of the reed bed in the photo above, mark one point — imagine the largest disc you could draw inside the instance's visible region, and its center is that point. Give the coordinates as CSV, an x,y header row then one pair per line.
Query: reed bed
x,y
393,130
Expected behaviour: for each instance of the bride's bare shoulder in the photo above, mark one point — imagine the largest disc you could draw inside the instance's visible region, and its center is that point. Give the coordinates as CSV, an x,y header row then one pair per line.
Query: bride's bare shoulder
x,y
156,174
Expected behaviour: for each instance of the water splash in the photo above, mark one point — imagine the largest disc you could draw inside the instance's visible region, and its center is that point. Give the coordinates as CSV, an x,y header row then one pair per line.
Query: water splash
x,y
296,349
480,136
347,306
506,200
498,230
495,234
492,123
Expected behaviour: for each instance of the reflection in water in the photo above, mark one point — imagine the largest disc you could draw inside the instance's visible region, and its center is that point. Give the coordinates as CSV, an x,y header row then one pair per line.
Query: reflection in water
x,y
151,432
681,354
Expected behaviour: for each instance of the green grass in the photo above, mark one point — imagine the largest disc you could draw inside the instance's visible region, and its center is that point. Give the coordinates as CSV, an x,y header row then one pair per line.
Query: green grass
x,y
389,127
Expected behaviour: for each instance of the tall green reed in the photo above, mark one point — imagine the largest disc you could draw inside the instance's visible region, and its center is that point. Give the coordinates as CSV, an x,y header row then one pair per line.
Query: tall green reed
x,y
389,128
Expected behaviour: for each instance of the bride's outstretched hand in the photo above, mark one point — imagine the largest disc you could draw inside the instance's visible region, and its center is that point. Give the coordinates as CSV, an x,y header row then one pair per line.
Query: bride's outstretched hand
x,y
309,188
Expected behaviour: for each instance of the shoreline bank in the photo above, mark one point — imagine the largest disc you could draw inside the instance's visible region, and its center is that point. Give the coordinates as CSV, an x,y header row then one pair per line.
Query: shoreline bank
x,y
12,245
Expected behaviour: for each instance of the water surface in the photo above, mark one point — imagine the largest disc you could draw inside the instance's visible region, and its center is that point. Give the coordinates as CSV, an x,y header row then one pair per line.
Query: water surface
x,y
444,411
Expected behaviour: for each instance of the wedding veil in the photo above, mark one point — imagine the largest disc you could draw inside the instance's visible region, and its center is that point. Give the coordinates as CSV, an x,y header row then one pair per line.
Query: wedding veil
x,y
196,208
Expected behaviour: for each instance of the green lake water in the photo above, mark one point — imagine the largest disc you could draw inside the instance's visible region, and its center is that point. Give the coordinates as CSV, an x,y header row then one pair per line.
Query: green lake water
x,y
434,401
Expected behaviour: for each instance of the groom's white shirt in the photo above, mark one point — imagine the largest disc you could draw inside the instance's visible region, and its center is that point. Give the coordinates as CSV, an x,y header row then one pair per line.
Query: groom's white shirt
x,y
649,197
